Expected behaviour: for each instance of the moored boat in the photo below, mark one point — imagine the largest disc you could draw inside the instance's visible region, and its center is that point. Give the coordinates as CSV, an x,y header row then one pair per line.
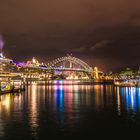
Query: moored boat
x,y
127,83
7,85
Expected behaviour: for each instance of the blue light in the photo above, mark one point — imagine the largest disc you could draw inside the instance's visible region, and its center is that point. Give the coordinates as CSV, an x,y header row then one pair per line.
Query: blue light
x,y
60,97
60,81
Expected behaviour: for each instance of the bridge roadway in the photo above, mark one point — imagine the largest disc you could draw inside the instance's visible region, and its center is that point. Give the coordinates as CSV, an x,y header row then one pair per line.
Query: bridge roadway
x,y
69,69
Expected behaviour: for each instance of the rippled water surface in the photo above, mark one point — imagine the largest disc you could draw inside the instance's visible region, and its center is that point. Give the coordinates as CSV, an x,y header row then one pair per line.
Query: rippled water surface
x,y
70,111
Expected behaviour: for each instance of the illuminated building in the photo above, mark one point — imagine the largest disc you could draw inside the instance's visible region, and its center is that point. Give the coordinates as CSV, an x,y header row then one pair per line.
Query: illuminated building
x,y
33,62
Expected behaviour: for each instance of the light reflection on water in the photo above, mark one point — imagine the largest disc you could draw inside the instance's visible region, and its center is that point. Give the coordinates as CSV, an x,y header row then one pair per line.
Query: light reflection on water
x,y
63,108
128,98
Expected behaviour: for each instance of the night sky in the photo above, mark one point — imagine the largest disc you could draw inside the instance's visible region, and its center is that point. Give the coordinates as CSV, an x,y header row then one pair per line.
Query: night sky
x,y
103,33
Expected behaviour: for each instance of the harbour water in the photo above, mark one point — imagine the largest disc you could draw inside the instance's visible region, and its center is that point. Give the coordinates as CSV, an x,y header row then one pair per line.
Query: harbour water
x,y
70,111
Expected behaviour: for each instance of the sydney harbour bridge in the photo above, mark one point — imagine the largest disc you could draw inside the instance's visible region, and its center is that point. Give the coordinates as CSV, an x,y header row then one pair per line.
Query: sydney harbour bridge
x,y
69,63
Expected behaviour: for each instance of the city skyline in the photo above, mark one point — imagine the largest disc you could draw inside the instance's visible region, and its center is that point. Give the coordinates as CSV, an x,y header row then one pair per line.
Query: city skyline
x,y
69,69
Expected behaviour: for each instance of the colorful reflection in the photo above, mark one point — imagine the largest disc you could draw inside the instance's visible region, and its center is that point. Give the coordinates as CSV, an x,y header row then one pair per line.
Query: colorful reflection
x,y
128,97
33,110
62,106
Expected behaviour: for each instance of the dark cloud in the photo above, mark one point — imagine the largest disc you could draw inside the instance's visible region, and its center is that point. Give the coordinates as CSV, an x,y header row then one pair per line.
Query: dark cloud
x,y
100,45
99,31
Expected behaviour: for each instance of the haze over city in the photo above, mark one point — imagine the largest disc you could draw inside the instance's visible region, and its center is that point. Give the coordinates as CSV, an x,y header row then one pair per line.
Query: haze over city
x,y
104,33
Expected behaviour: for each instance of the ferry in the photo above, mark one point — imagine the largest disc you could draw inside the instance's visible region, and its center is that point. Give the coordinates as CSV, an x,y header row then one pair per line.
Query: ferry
x,y
127,83
7,85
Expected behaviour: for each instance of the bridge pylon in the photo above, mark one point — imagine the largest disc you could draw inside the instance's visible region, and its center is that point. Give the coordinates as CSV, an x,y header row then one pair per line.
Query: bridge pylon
x,y
95,73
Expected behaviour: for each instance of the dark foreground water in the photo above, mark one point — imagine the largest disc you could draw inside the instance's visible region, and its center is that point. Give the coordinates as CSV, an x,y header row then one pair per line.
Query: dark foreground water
x,y
70,111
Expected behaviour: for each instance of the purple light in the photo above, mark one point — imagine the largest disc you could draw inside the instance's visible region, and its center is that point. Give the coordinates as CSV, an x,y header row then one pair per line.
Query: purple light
x,y
21,64
1,42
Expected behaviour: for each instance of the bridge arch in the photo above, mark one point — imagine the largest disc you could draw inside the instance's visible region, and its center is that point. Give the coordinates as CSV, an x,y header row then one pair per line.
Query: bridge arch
x,y
72,60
